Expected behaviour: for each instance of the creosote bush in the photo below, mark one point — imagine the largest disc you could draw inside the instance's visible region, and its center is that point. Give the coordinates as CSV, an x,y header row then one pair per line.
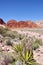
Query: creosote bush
x,y
8,42
3,31
36,43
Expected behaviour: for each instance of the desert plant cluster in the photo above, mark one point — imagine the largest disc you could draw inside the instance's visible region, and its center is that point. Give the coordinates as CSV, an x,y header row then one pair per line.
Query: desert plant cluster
x,y
17,48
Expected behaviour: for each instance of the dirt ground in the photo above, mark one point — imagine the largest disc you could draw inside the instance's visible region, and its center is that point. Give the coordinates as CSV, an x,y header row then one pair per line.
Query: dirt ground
x,y
38,55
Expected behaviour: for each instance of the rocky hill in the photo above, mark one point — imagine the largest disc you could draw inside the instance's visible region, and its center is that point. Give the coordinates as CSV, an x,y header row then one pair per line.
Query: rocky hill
x,y
19,24
1,21
39,22
22,24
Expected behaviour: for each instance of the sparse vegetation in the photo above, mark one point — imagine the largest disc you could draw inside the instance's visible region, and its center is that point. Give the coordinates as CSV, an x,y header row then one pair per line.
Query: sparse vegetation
x,y
21,53
23,56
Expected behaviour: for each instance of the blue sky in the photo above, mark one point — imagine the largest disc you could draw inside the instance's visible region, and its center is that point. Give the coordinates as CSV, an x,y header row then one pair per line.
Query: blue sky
x,y
21,9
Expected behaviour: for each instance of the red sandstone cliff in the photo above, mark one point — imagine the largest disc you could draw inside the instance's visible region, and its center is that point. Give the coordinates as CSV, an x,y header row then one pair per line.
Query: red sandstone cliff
x,y
21,24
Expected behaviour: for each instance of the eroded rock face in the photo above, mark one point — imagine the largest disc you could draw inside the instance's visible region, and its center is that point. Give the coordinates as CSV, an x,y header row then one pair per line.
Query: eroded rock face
x,y
1,21
19,24
22,24
32,24
12,24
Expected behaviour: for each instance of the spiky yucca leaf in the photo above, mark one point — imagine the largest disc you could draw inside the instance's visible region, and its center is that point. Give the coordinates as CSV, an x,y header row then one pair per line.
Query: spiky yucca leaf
x,y
27,56
18,47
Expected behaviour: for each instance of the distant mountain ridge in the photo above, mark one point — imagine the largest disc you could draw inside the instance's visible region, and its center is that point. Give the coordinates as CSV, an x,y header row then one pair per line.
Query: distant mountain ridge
x,y
39,22
20,24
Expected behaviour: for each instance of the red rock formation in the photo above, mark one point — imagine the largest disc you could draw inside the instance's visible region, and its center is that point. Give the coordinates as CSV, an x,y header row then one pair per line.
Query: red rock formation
x,y
31,24
21,24
12,24
2,22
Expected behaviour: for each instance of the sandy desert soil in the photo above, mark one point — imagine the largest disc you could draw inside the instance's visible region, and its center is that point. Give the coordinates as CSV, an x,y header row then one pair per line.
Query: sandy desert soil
x,y
38,55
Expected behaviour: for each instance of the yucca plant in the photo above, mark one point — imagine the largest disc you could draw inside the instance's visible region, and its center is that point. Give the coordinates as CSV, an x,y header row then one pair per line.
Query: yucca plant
x,y
24,56
18,48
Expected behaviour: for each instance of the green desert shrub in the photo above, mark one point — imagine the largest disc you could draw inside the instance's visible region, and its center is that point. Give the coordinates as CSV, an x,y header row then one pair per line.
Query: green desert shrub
x,y
36,43
39,41
16,34
8,42
27,43
13,63
21,36
10,34
3,31
5,57
35,46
